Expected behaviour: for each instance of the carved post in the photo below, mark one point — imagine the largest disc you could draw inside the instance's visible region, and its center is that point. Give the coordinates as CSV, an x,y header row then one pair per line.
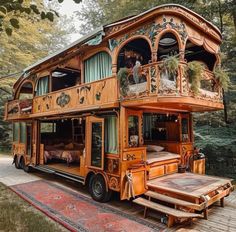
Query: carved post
x,y
181,55
154,56
114,69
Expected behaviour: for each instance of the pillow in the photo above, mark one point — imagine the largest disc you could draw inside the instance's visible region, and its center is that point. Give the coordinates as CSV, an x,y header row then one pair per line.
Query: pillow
x,y
151,148
59,145
69,146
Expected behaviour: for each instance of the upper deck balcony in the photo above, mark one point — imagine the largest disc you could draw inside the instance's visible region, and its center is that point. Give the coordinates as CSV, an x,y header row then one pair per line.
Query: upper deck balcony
x,y
127,65
158,87
18,109
155,87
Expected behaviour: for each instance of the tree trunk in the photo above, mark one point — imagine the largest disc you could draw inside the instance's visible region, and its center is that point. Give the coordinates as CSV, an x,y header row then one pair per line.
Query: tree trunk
x,y
223,92
225,108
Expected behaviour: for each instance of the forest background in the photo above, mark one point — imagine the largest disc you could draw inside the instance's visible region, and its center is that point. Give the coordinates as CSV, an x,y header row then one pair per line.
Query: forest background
x,y
31,32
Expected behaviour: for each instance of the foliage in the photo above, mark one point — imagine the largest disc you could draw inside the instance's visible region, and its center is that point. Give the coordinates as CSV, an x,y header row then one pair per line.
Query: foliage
x,y
171,63
35,39
222,77
195,73
123,81
10,10
5,128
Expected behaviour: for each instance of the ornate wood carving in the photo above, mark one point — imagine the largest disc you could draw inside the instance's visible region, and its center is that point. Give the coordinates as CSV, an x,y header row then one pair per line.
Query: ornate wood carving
x,y
153,81
197,20
114,183
83,92
151,30
99,90
63,99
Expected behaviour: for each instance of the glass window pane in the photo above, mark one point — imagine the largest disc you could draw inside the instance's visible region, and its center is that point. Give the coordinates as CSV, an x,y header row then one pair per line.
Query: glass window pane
x,y
111,135
48,127
23,132
96,149
185,130
16,128
133,131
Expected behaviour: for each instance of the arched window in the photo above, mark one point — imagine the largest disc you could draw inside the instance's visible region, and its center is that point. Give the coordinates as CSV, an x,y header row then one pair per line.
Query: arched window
x,y
26,91
167,46
168,52
135,50
97,67
194,52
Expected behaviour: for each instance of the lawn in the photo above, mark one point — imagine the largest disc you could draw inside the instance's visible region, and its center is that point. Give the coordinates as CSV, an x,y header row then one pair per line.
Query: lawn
x,y
17,215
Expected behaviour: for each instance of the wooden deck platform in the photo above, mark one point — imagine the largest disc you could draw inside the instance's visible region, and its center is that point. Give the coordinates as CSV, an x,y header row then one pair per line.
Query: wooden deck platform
x,y
188,185
219,220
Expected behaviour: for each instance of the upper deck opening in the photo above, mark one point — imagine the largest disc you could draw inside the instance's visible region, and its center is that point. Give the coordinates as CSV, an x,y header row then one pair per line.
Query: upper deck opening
x,y
199,53
167,46
65,78
133,51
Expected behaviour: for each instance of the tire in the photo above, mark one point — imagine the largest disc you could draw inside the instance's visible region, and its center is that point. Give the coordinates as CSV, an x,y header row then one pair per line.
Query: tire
x,y
97,189
17,163
26,168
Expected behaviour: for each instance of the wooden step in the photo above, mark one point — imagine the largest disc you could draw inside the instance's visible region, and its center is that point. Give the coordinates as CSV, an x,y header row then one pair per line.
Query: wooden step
x,y
165,209
175,201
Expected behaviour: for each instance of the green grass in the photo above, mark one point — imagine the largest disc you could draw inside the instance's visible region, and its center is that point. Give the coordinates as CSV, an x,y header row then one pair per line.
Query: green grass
x,y
18,215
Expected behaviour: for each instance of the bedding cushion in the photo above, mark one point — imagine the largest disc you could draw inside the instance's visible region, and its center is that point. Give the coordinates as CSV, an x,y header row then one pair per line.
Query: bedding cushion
x,y
151,148
69,146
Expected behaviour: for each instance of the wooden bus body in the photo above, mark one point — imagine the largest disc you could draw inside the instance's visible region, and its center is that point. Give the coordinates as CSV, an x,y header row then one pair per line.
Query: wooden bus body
x,y
101,110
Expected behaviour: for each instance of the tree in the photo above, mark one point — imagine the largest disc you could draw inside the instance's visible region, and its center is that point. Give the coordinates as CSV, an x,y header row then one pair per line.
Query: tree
x,y
35,39
10,10
5,128
95,13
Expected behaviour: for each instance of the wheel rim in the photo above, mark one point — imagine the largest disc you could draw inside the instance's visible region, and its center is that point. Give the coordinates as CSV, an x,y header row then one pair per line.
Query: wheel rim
x,y
97,188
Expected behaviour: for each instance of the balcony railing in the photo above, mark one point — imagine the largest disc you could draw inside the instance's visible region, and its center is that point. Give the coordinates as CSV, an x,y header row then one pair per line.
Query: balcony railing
x,y
154,79
18,109
92,95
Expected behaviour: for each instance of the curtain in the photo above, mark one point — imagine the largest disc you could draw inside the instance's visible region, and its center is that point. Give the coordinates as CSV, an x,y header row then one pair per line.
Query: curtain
x,y
42,86
23,132
97,67
147,126
111,136
16,131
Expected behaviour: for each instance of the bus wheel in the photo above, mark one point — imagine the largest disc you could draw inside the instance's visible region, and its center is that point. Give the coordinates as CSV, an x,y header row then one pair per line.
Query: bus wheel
x,y
97,189
16,162
25,167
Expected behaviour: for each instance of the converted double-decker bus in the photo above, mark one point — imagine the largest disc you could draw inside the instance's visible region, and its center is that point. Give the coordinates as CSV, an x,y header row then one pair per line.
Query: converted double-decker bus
x,y
113,111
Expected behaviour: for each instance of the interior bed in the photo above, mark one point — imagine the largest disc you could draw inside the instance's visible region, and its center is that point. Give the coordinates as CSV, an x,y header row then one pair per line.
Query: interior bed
x,y
69,153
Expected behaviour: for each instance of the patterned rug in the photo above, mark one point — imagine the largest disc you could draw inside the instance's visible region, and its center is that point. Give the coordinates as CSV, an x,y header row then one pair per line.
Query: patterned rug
x,y
77,212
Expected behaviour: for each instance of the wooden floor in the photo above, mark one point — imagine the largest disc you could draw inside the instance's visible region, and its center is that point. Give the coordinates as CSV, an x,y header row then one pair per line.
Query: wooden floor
x,y
220,219
72,168
189,184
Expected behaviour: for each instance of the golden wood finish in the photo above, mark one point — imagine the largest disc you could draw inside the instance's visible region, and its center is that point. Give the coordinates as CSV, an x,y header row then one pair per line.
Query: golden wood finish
x,y
92,96
128,172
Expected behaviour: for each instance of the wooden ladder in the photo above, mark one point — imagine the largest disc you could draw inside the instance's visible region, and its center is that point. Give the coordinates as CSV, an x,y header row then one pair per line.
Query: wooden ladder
x,y
172,213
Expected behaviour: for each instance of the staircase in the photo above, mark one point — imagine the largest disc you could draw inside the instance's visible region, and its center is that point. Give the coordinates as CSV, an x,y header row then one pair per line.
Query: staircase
x,y
172,210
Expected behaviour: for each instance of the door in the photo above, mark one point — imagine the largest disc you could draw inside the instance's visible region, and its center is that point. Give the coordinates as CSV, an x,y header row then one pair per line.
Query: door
x,y
134,128
95,142
29,139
